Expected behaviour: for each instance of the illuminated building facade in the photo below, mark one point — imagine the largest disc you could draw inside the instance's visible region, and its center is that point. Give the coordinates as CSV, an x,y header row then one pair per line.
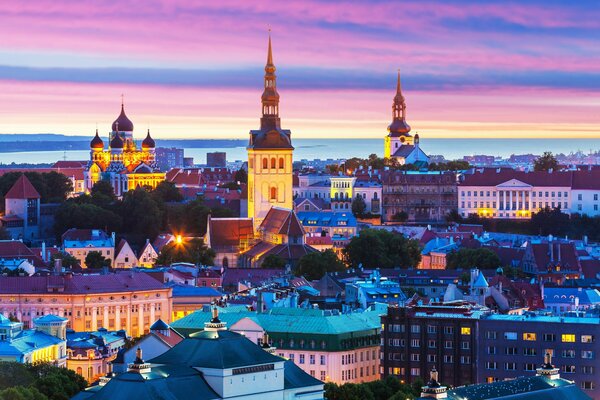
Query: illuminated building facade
x,y
269,155
123,164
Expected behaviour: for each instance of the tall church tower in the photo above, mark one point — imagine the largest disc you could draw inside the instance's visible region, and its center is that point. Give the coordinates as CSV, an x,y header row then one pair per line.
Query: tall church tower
x,y
398,131
269,155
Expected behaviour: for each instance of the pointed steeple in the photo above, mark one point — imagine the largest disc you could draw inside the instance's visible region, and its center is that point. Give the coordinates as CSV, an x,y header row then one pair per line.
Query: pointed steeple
x,y
399,126
270,97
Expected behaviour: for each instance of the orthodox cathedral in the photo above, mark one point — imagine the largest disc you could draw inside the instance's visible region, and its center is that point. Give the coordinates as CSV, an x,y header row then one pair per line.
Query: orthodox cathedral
x,y
399,143
122,164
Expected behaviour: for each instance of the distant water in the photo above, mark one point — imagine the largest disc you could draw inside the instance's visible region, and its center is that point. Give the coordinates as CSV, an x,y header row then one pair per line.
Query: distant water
x,y
337,148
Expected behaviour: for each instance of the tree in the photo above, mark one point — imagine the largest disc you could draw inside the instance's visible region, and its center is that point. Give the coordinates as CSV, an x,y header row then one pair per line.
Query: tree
x,y
549,221
273,261
4,233
314,265
358,206
241,176
95,260
67,260
21,393
481,258
378,248
57,383
192,251
141,214
545,162
103,194
58,187
400,216
85,216
167,192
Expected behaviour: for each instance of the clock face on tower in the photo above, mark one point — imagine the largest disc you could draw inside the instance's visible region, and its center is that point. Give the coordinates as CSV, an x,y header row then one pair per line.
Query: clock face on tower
x,y
402,139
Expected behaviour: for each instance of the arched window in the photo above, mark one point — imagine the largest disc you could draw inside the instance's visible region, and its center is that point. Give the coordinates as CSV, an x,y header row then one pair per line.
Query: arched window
x,y
280,162
79,371
90,372
273,193
225,262
265,163
273,166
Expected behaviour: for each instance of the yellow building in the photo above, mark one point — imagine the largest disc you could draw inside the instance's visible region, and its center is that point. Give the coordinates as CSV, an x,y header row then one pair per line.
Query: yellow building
x,y
123,164
269,155
127,300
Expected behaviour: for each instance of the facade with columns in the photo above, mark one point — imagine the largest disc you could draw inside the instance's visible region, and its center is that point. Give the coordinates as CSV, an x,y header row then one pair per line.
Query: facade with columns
x,y
129,301
269,155
123,164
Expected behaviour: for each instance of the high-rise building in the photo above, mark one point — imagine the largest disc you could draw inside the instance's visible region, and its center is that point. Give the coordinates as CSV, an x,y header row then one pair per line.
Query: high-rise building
x,y
269,155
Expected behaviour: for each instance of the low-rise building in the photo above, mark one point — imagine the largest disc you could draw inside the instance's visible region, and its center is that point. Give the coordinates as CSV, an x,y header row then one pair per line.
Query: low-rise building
x,y
22,210
80,242
333,347
328,223
44,343
115,301
374,289
90,353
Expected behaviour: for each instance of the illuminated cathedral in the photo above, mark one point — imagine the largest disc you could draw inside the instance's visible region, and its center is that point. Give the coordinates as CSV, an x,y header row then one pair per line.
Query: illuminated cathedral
x,y
123,164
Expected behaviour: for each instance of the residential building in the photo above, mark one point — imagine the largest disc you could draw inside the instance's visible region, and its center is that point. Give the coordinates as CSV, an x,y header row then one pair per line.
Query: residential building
x,y
187,299
148,255
80,242
123,164
329,223
375,289
216,159
115,301
399,143
511,345
125,257
561,300
90,353
416,338
44,343
421,196
215,363
229,237
331,346
22,210
168,158
552,260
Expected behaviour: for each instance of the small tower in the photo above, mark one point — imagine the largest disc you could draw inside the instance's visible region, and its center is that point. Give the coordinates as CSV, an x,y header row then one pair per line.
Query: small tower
x,y
433,389
269,154
266,346
139,365
399,130
215,323
547,369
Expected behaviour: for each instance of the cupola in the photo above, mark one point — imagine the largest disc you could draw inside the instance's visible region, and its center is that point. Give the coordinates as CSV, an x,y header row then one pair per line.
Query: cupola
x,y
122,123
97,143
148,142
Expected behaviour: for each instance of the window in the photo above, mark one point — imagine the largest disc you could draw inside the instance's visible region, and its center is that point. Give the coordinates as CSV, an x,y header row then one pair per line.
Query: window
x,y
273,193
431,329
415,329
415,343
491,365
448,359
568,338
465,330
431,344
579,196
529,336
568,353
568,369
465,359
587,354
281,164
311,359
529,367
529,351
588,370
448,330
588,385
415,371
448,344
415,357
265,163
549,337
491,350
510,366
490,335
465,345
510,335
273,163
301,359
510,351
323,360
587,339
431,358
323,375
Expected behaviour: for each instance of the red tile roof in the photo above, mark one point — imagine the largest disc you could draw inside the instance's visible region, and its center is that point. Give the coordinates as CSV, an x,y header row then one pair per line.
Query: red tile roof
x,y
563,254
318,240
281,221
494,177
171,340
227,232
83,234
22,189
590,268
15,249
79,284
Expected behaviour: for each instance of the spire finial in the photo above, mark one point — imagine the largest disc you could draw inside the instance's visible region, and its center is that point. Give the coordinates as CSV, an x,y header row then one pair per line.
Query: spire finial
x,y
270,53
122,100
399,87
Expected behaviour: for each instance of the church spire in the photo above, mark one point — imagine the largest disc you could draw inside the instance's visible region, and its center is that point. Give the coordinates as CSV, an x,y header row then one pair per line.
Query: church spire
x,y
399,126
270,97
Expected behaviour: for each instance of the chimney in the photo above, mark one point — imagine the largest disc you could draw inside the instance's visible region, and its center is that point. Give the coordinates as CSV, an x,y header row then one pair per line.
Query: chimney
x,y
44,259
57,266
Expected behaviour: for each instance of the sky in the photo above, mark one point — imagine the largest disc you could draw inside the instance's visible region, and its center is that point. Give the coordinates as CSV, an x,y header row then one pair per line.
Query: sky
x,y
194,69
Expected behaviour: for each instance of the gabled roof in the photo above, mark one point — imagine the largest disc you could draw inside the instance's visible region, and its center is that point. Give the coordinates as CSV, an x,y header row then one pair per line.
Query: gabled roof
x,y
404,150
281,221
22,189
227,232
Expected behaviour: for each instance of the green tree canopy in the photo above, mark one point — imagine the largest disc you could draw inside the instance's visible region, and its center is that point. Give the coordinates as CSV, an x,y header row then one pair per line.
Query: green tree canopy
x,y
273,261
67,260
358,206
545,162
241,176
38,382
53,187
314,265
481,258
192,251
95,260
378,248
71,214
167,192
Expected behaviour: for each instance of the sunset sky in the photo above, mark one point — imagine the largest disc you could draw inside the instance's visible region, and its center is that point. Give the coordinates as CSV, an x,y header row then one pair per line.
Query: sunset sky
x,y
194,68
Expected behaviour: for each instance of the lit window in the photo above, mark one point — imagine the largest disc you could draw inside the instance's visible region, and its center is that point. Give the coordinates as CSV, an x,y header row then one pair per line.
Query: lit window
x,y
587,339
465,330
568,338
529,336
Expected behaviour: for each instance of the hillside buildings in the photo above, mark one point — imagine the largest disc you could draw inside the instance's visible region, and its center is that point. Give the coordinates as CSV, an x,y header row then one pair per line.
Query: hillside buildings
x,y
80,242
22,210
123,164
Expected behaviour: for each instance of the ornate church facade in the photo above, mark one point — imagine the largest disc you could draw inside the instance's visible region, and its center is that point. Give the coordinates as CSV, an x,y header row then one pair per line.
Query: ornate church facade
x,y
123,164
399,143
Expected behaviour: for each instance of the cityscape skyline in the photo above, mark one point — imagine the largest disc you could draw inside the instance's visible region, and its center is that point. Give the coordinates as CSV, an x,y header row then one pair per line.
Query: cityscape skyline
x,y
469,70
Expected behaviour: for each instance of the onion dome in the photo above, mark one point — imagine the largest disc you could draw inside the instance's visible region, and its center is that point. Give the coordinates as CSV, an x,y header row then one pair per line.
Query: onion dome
x,y
122,123
148,142
97,143
116,142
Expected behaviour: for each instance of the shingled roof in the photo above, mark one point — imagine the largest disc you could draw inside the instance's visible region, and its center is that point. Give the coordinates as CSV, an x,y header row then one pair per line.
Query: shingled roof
x,y
281,221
